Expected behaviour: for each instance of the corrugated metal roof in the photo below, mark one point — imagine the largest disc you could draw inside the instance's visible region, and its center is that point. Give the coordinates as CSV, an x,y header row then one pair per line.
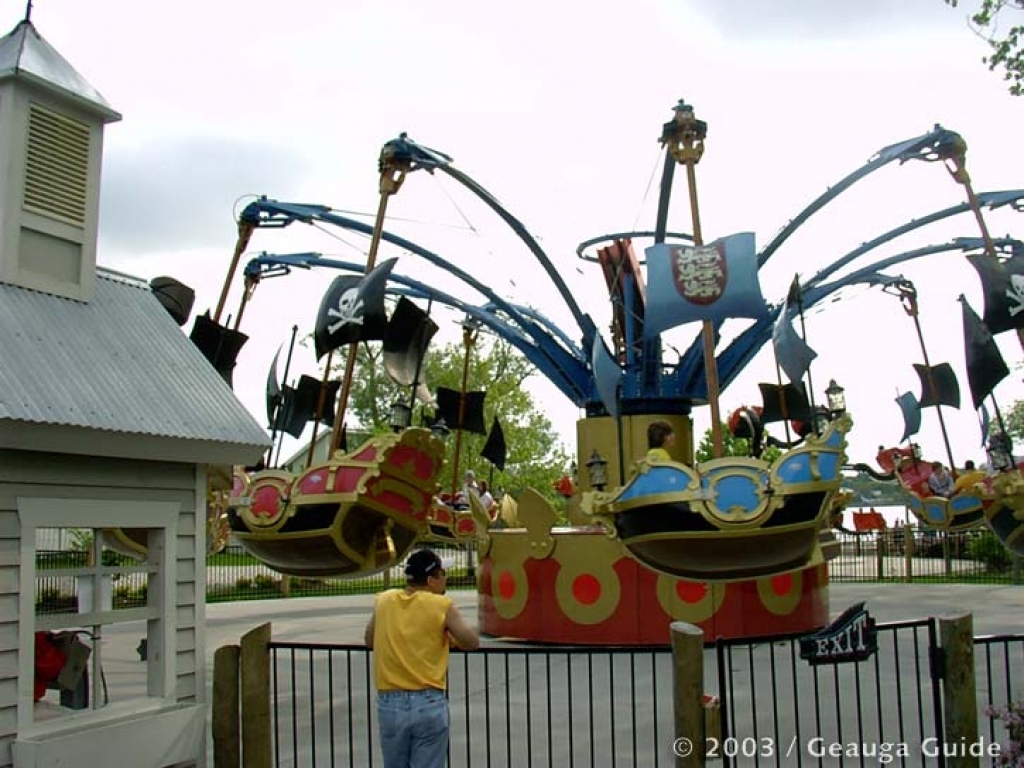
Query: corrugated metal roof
x,y
117,363
24,51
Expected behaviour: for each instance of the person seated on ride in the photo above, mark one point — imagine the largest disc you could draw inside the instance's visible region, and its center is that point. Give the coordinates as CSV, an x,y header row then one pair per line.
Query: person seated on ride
x,y
660,437
940,482
970,477
490,505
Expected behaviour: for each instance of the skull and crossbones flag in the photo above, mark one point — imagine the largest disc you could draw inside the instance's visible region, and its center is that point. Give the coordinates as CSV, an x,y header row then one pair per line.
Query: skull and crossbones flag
x,y
1003,285
495,450
353,310
985,364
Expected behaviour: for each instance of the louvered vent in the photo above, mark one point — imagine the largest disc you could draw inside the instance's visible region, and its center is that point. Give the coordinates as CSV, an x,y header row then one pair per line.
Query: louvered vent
x,y
56,168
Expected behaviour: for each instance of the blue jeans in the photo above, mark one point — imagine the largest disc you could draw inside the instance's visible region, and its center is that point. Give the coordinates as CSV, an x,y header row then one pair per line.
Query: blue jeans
x,y
413,728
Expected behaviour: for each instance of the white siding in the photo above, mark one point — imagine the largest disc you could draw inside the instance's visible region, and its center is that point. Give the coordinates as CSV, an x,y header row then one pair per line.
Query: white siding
x,y
39,475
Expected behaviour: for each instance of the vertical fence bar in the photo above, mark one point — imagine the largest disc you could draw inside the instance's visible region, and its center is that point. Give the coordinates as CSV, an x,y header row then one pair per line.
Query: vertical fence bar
x,y
688,682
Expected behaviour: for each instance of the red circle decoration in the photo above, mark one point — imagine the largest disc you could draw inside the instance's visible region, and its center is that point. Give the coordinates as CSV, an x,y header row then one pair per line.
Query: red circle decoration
x,y
586,589
782,584
506,585
691,591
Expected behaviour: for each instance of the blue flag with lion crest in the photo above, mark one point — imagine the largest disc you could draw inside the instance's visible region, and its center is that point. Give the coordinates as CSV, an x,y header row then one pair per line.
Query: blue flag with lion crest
x,y
709,282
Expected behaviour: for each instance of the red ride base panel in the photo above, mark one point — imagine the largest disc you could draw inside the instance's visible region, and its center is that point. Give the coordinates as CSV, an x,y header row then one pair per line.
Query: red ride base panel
x,y
624,603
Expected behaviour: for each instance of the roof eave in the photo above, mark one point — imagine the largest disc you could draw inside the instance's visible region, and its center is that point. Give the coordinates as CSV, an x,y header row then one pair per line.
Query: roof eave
x,y
104,110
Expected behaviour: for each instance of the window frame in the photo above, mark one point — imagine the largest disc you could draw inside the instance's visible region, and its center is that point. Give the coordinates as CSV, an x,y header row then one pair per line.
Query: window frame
x,y
161,518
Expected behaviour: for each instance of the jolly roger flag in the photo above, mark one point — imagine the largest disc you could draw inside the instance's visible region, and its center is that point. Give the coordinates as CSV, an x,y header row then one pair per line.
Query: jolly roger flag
x,y
947,390
1003,287
353,310
985,365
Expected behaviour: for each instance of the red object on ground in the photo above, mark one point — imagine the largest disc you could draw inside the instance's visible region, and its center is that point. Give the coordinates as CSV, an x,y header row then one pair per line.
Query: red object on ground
x,y
49,661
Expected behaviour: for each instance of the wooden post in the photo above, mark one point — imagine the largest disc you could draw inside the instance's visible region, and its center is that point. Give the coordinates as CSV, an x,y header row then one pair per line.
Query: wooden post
x,y
227,744
688,683
255,697
959,694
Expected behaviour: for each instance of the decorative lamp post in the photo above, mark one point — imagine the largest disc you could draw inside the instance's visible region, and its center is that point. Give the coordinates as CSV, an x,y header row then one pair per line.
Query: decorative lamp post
x,y
598,469
401,416
836,399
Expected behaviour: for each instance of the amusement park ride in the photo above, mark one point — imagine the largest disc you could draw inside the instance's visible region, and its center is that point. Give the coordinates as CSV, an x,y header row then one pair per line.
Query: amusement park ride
x,y
735,545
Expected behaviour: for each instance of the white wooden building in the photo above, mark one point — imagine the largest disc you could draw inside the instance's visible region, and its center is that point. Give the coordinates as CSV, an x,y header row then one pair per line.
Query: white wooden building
x,y
109,418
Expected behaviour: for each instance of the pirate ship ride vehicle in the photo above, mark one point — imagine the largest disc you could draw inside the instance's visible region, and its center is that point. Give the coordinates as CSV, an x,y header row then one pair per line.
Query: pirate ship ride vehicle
x,y
356,514
962,511
730,518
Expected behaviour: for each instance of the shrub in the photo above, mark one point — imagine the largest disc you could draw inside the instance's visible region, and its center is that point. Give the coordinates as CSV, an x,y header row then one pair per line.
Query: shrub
x,y
1012,715
988,549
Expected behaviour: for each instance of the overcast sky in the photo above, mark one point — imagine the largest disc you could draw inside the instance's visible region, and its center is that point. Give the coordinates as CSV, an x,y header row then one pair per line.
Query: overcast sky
x,y
556,108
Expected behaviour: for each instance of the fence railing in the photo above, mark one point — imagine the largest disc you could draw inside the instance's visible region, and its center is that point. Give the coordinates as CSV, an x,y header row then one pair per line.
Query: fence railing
x,y
516,706
611,707
777,709
999,676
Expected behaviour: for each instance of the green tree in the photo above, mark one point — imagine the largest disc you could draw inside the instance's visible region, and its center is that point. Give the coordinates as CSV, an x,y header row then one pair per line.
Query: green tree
x,y
1004,42
731,446
1014,421
535,457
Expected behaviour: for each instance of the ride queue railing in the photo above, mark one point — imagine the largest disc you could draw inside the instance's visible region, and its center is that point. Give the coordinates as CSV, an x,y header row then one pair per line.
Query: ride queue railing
x,y
613,707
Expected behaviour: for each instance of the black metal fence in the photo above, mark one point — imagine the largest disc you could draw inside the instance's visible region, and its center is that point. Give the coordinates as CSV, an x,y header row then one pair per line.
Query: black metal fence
x,y
912,554
510,706
558,706
778,710
999,673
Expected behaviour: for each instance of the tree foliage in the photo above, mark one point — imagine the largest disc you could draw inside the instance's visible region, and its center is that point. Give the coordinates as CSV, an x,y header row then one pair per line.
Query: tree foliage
x,y
1014,422
535,457
731,446
1004,40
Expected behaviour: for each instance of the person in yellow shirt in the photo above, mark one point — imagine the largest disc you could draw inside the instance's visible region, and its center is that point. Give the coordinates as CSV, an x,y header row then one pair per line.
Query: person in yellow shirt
x,y
410,633
970,477
660,437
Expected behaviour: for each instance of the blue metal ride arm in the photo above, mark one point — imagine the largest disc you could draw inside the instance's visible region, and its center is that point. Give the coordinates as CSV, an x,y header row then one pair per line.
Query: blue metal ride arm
x,y
745,347
280,214
431,159
920,148
690,370
268,265
985,199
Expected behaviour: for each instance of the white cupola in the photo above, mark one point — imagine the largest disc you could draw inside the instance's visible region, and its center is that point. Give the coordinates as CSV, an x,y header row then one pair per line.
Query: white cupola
x,y
51,149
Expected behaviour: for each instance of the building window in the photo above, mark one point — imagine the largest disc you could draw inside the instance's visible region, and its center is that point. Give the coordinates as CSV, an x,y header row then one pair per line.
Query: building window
x,y
102,607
